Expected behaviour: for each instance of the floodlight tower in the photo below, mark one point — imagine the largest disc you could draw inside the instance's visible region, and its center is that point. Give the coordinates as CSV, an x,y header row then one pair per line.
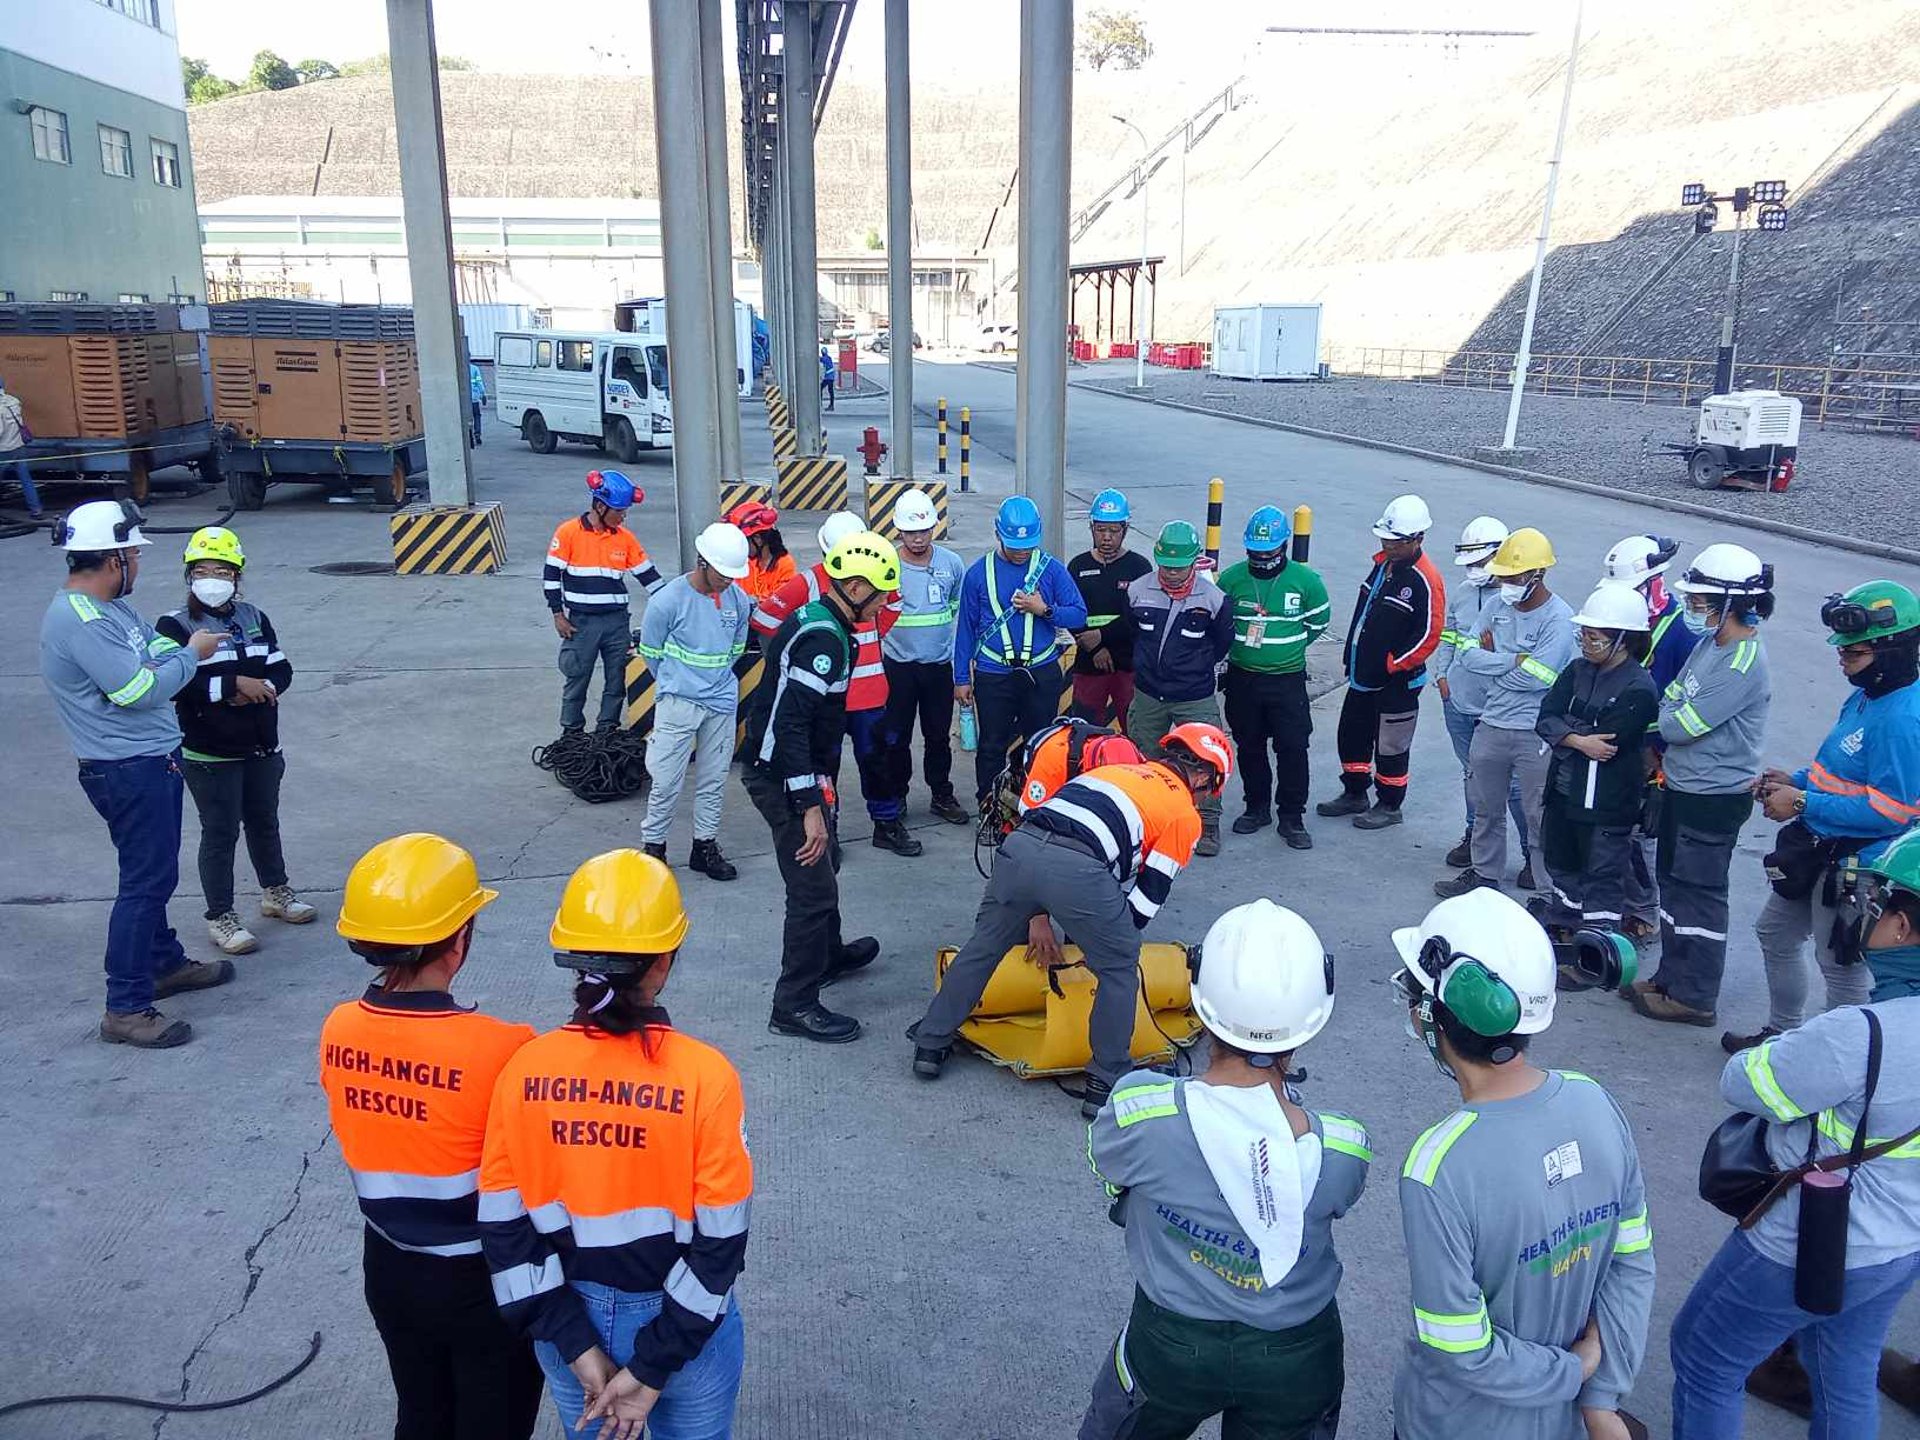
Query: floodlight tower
x,y
1765,196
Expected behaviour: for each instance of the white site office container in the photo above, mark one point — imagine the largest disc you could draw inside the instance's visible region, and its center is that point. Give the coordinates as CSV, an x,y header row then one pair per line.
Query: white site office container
x,y
1266,342
483,324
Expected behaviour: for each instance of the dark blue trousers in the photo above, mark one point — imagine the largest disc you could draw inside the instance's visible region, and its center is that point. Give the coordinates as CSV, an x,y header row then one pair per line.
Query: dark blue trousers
x,y
140,799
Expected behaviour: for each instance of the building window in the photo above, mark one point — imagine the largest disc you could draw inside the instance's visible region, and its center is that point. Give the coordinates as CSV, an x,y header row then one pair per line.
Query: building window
x,y
50,135
66,295
142,10
181,300
116,152
166,164
6,297
127,297
575,355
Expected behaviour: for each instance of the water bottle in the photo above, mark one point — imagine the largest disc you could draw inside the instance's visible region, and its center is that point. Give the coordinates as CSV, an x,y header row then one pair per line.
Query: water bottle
x,y
969,729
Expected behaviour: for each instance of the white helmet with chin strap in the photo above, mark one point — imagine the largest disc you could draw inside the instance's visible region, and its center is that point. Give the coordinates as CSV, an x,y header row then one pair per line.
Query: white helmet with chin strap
x,y
100,525
1638,558
1265,982
1483,535
1487,961
1404,518
841,525
1614,606
914,511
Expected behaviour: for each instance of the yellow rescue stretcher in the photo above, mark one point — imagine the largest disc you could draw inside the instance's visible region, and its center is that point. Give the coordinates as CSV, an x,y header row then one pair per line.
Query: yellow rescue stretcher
x,y
1034,1028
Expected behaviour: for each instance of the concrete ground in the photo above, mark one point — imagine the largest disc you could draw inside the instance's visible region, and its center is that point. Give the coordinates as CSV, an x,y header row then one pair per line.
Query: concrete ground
x,y
926,1260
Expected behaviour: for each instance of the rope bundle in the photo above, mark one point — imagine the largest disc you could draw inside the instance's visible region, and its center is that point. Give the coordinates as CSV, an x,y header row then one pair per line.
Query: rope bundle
x,y
609,764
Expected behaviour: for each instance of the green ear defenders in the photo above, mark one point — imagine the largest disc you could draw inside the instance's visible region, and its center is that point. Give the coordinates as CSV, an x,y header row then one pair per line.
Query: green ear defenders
x,y
1604,957
1478,998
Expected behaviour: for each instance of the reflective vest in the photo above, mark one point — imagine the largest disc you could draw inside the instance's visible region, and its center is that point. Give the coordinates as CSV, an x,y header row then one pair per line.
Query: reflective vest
x,y
408,1077
1009,639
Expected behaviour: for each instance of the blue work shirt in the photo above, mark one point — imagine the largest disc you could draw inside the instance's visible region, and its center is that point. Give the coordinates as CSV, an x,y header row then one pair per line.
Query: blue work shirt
x,y
991,636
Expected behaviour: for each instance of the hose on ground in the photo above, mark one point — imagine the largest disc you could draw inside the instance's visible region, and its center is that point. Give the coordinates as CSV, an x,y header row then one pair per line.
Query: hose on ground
x,y
170,1407
609,764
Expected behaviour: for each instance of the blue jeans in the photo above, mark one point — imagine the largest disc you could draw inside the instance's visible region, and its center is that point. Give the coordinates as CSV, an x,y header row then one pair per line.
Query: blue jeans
x,y
140,799
1739,1312
697,1401
23,477
1460,728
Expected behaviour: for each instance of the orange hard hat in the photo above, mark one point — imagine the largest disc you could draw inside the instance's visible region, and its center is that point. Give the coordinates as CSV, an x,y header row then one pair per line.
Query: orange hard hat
x,y
1206,743
752,517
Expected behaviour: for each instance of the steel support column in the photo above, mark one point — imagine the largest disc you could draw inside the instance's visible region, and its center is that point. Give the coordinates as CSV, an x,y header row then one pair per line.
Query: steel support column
x,y
775,278
429,235
679,132
727,361
1046,142
796,128
899,242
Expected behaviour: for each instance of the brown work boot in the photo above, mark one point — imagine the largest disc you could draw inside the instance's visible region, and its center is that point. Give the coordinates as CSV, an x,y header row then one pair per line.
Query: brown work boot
x,y
194,975
145,1029
1781,1380
1656,1004
1900,1380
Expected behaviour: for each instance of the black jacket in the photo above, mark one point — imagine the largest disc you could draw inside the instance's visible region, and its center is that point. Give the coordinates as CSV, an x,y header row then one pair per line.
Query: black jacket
x,y
208,724
1103,587
796,718
1396,625
1587,700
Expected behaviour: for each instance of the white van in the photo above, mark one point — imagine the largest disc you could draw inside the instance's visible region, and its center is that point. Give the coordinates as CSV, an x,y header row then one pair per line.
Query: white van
x,y
606,390
649,317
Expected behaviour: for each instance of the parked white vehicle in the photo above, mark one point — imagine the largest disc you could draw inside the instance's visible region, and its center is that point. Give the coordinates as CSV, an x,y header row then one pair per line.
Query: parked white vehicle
x,y
606,390
649,317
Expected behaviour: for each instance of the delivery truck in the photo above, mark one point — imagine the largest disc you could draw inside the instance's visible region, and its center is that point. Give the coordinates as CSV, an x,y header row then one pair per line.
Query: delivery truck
x,y
607,390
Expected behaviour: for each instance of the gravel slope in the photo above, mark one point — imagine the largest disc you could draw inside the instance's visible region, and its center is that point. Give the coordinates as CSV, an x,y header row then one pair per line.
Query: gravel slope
x,y
1859,485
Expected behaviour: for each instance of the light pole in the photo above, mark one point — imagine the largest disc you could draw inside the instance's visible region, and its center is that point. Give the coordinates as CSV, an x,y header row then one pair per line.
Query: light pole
x,y
1146,157
1767,195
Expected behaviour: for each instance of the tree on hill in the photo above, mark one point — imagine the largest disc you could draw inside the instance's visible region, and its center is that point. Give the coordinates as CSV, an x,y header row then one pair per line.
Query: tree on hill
x,y
382,64
270,72
310,70
200,83
1113,37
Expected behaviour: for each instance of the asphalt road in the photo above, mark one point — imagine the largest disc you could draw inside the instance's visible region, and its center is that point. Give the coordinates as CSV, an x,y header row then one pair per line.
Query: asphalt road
x,y
926,1260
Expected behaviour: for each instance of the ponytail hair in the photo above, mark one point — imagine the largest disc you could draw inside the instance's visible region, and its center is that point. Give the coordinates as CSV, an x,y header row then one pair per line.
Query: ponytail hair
x,y
616,1004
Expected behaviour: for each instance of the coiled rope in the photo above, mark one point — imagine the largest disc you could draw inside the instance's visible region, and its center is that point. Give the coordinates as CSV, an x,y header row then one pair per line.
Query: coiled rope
x,y
608,764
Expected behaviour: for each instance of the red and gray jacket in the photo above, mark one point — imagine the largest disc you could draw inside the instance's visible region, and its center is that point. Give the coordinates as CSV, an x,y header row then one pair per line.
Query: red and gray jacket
x,y
1397,622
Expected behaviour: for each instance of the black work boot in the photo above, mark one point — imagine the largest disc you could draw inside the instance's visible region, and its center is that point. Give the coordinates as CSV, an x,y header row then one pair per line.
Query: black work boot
x,y
1294,832
1095,1095
893,835
1461,855
854,955
1209,836
1733,1042
1466,881
658,852
1379,817
707,859
1348,802
928,1060
1252,823
949,809
816,1022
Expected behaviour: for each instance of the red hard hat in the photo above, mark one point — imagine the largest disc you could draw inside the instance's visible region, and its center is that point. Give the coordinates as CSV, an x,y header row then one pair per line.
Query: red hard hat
x,y
752,517
1110,750
1204,742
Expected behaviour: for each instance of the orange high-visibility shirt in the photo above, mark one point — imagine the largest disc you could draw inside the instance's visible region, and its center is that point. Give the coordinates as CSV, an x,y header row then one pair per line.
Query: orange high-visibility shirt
x,y
763,581
408,1077
607,1164
1140,819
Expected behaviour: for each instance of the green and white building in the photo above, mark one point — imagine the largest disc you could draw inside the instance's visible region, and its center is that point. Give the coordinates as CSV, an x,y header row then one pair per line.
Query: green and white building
x,y
96,185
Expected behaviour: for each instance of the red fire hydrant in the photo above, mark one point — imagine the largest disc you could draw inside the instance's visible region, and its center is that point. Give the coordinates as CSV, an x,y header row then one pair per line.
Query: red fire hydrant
x,y
872,449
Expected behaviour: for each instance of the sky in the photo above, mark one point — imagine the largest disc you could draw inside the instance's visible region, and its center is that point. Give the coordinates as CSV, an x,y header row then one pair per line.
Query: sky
x,y
954,38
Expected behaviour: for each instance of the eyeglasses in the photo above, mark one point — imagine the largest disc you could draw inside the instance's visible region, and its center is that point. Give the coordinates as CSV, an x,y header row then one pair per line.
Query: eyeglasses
x,y
1856,652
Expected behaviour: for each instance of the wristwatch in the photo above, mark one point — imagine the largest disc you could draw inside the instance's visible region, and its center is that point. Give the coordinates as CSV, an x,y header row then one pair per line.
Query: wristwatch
x,y
1800,803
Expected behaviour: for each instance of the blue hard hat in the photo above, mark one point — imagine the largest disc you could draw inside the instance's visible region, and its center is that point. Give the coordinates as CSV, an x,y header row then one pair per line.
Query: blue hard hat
x,y
1018,522
1110,508
611,489
1268,529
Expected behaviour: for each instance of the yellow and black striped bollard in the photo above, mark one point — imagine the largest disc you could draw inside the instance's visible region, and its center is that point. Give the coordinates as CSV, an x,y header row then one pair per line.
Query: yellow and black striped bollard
x,y
941,424
966,448
1216,498
1302,532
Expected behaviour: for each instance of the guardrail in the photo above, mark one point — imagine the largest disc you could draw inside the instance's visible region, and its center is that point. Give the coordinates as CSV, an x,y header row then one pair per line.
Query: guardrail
x,y
1882,397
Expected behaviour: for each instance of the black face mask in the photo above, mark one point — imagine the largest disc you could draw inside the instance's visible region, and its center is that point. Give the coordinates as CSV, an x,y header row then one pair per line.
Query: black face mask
x,y
1896,664
1266,563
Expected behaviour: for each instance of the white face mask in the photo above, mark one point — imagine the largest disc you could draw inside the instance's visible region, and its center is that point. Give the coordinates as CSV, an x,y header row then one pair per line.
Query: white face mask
x,y
1480,575
1513,593
213,593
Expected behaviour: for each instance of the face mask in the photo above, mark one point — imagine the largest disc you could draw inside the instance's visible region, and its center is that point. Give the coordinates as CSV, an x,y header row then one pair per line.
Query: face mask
x,y
1480,576
1656,593
1699,622
1894,668
1514,594
213,593
1266,562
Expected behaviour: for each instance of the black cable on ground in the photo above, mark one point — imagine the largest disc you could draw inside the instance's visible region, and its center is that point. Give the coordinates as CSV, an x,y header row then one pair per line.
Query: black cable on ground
x,y
609,764
170,1407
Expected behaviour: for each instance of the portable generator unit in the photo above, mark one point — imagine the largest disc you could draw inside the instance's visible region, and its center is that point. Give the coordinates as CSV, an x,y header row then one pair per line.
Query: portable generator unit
x,y
1746,440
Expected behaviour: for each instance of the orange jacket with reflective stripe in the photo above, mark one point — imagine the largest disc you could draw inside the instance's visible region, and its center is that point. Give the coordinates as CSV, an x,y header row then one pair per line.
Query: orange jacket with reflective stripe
x,y
1140,819
608,1164
1050,758
762,582
409,1076
867,685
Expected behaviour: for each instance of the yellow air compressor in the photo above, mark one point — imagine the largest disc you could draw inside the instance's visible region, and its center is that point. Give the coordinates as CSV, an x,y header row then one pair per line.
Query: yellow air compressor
x,y
1036,1028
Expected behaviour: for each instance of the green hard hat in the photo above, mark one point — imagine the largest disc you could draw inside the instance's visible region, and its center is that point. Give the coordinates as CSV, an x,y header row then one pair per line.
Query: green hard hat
x,y
1899,863
1178,545
1886,608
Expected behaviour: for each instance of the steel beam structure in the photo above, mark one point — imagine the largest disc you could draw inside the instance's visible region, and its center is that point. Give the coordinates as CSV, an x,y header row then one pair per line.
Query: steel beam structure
x,y
429,234
727,362
797,82
680,116
1046,140
899,241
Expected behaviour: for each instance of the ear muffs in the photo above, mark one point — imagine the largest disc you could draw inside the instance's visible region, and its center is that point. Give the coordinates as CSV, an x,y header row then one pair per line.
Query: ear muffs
x,y
1605,957
1479,999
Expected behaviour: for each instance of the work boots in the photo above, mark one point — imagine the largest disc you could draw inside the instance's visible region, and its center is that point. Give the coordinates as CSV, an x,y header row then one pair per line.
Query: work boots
x,y
707,859
949,809
194,975
1656,1004
230,935
854,955
1524,880
1252,823
1209,836
1466,881
1461,855
280,903
893,835
1733,1043
816,1022
144,1029
658,852
1379,817
1294,832
1095,1095
1348,802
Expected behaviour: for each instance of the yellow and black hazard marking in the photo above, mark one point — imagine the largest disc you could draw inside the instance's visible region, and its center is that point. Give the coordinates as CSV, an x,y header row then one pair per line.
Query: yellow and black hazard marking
x,y
811,482
773,396
786,441
1066,673
449,540
779,416
638,714
734,492
883,495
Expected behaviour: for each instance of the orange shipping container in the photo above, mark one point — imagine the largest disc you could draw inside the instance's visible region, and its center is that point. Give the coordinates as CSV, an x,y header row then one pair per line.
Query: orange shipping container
x,y
39,373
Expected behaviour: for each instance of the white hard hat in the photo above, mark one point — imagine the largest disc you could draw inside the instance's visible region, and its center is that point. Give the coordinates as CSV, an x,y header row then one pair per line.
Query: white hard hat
x,y
1614,606
1638,558
1479,540
1404,518
1489,927
100,525
837,527
1265,983
914,511
1725,569
724,547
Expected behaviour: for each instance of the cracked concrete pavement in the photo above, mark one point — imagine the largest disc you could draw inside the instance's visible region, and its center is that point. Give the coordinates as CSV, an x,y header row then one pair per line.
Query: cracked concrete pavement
x,y
928,1260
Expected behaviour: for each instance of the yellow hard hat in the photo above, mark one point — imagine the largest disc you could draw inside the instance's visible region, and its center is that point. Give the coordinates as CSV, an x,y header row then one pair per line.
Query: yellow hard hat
x,y
213,542
1522,552
411,890
620,903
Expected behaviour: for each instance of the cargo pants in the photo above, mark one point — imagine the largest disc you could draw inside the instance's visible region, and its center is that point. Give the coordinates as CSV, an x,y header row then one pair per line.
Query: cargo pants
x,y
598,638
1498,760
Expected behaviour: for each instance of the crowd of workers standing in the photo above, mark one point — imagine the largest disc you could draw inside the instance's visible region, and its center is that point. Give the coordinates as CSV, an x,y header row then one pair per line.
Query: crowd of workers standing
x,y
570,1210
